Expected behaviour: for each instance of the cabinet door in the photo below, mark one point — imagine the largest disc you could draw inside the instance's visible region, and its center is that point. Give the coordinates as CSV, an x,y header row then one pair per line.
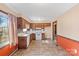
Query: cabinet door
x,y
19,22
23,23
43,36
22,43
33,36
33,26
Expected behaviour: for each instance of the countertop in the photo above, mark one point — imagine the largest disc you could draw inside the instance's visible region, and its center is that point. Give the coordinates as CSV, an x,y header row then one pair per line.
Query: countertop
x,y
28,33
23,34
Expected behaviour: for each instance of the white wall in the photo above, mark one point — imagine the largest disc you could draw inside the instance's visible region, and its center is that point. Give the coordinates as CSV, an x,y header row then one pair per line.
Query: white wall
x,y
5,8
68,24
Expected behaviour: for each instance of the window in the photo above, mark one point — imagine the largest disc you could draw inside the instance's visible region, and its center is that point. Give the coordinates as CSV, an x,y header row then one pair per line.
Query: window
x,y
4,30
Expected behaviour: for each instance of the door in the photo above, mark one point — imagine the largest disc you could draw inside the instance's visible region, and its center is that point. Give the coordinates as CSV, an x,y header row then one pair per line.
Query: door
x,y
54,30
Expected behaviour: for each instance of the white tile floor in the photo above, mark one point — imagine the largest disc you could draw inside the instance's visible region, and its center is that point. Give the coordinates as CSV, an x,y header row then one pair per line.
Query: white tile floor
x,y
42,48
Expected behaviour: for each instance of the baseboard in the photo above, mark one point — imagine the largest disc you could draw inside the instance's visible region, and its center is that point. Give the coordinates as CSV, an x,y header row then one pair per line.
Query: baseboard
x,y
13,52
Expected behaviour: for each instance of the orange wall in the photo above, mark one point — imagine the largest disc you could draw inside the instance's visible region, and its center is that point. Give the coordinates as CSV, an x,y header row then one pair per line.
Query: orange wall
x,y
7,50
71,46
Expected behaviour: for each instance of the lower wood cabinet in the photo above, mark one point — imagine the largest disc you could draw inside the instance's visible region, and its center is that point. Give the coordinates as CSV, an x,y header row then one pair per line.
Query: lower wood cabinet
x,y
33,36
22,42
43,36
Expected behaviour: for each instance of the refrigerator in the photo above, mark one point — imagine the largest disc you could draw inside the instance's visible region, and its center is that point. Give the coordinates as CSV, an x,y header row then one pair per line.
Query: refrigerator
x,y
38,34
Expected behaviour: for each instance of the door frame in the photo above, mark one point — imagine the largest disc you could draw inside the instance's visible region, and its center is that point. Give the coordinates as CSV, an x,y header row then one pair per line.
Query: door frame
x,y
54,30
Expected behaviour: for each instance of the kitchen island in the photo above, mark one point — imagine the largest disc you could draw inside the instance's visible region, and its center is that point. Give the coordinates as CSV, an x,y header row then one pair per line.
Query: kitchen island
x,y
23,41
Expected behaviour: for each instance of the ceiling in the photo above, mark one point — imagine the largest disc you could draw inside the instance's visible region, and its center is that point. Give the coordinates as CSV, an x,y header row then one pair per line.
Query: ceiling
x,y
41,11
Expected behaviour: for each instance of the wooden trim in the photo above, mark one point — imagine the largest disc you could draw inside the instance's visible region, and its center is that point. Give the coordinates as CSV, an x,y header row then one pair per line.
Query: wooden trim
x,y
68,38
13,52
53,27
3,12
24,20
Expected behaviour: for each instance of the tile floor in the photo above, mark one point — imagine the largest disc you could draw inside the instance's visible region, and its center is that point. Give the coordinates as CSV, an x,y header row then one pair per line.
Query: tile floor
x,y
41,48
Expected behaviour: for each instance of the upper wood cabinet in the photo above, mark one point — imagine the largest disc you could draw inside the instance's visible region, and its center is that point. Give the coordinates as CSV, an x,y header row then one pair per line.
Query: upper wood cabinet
x,y
19,22
22,23
39,25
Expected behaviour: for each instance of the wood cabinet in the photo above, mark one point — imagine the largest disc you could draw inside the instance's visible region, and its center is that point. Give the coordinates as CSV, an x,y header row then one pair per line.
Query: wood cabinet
x,y
21,23
39,25
22,42
32,37
43,36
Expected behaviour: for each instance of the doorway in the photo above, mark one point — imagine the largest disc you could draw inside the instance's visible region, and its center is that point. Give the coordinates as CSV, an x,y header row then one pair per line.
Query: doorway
x,y
54,30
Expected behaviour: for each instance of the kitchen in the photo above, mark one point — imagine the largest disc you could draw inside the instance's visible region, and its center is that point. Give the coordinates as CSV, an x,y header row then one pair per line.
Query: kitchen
x,y
20,32
30,31
33,30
